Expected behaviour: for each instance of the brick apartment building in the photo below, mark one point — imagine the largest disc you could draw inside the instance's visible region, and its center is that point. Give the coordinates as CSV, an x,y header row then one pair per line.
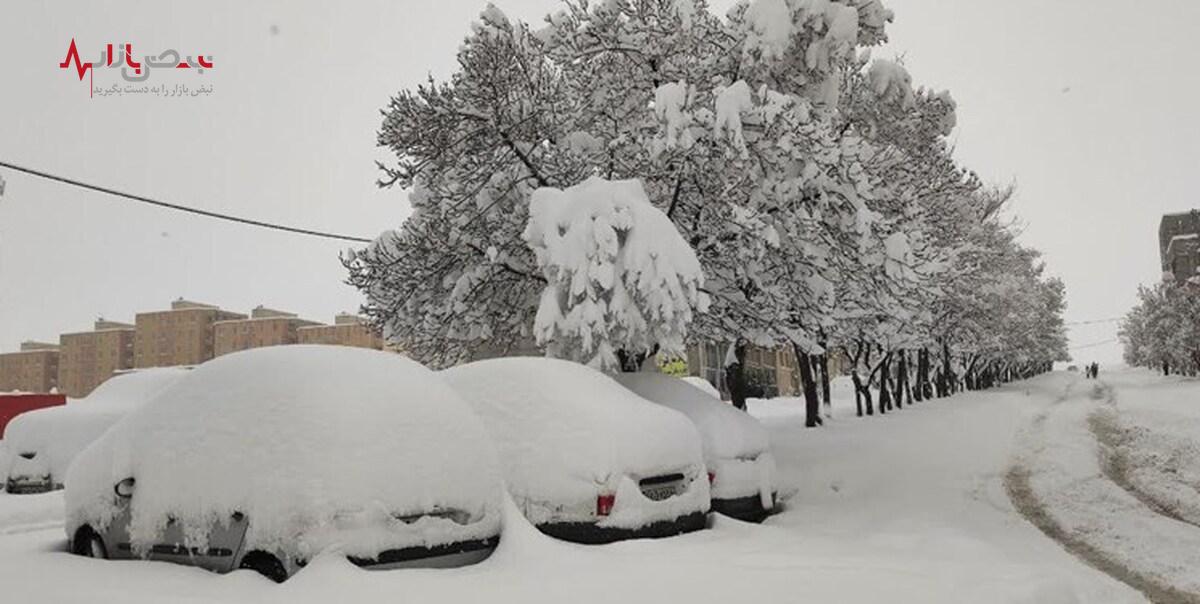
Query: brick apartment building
x,y
347,330
265,327
33,369
1179,244
86,359
182,335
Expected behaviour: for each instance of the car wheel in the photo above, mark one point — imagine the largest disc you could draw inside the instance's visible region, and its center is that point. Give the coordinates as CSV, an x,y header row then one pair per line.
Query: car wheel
x,y
88,543
264,564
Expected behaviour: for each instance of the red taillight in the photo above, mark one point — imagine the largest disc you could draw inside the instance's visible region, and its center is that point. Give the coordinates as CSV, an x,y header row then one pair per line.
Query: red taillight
x,y
711,476
604,504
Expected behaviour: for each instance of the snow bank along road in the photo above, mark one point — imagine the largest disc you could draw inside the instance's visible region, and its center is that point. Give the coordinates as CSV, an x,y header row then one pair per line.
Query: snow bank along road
x,y
910,507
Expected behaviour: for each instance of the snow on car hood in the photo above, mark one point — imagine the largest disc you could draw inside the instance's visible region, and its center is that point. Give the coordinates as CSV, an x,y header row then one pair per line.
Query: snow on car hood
x,y
303,440
57,434
726,432
564,430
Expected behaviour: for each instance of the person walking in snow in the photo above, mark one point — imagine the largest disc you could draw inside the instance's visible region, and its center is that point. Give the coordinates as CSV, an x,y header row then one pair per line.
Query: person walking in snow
x,y
1095,370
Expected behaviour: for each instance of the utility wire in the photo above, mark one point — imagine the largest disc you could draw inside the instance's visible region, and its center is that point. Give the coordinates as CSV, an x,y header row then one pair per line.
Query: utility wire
x,y
172,206
1112,320
1093,344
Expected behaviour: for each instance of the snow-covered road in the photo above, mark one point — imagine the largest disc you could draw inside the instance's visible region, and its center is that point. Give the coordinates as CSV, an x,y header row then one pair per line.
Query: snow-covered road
x,y
1110,470
909,507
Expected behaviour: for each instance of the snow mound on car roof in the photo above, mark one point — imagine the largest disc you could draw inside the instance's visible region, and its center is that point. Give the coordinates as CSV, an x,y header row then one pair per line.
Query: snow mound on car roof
x,y
564,430
726,432
58,434
312,443
704,385
127,391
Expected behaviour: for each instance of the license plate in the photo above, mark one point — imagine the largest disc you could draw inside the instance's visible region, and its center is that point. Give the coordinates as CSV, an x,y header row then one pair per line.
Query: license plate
x,y
659,493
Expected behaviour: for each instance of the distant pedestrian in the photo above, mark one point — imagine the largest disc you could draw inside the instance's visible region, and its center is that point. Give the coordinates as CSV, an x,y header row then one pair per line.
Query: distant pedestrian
x,y
1095,370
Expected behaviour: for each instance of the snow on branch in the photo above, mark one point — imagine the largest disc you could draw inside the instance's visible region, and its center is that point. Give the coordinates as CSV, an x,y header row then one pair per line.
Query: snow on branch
x,y
619,276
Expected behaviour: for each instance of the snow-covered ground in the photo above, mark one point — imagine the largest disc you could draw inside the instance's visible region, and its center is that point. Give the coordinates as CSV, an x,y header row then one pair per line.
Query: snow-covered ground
x,y
909,507
1110,469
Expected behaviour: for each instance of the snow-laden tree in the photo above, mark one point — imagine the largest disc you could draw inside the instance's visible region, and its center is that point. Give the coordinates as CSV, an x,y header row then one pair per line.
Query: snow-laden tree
x,y
457,276
619,276
1163,330
814,186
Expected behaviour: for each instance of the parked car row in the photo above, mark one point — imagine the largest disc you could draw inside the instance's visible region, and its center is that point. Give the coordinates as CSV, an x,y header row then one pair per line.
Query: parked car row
x,y
264,458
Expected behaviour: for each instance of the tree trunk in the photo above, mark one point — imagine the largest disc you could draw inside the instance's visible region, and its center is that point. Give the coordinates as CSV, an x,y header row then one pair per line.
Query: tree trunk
x,y
885,385
866,387
631,362
735,375
823,370
812,404
946,379
901,379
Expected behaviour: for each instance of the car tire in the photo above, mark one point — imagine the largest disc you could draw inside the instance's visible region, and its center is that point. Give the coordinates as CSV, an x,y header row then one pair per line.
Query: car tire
x,y
264,564
89,544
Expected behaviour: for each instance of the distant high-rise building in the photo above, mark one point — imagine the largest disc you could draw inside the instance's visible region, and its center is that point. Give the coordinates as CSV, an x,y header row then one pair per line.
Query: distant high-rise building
x,y
182,335
86,359
1179,244
33,369
265,327
347,330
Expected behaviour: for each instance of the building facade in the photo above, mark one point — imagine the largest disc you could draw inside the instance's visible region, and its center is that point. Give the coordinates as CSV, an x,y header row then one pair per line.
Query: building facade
x,y
182,335
33,369
774,371
86,359
265,327
347,330
1179,245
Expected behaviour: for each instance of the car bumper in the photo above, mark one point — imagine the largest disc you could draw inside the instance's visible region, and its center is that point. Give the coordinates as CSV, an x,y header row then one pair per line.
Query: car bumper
x,y
452,555
749,509
23,485
590,533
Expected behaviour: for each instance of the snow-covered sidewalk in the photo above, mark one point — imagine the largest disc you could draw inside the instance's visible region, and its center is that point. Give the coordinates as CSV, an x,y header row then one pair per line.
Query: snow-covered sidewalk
x,y
909,507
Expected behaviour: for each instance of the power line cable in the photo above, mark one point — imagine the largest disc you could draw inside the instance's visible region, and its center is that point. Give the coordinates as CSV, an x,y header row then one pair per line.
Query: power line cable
x,y
189,210
1094,321
1094,344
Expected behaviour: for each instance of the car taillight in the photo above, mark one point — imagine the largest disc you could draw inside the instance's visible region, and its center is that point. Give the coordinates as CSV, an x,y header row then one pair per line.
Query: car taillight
x,y
604,504
711,476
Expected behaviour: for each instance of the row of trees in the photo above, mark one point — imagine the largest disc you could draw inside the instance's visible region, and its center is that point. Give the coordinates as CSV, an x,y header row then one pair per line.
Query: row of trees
x,y
1163,330
814,186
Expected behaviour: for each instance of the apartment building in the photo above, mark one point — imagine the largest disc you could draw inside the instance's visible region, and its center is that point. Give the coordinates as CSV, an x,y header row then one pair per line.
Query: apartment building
x,y
86,359
1179,244
347,330
32,369
182,335
265,327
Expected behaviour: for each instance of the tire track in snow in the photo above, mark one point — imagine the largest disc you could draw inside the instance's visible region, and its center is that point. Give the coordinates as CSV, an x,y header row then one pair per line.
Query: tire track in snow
x,y
1020,491
1116,465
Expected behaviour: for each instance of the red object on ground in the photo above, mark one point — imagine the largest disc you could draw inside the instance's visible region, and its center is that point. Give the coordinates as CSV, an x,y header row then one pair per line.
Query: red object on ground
x,y
12,405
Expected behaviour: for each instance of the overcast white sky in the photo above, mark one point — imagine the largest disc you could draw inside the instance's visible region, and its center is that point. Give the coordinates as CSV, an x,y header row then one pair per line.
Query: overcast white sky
x,y
1086,105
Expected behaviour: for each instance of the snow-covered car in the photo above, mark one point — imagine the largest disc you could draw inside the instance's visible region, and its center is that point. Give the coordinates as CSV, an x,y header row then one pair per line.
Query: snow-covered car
x,y
737,450
43,442
263,459
585,459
